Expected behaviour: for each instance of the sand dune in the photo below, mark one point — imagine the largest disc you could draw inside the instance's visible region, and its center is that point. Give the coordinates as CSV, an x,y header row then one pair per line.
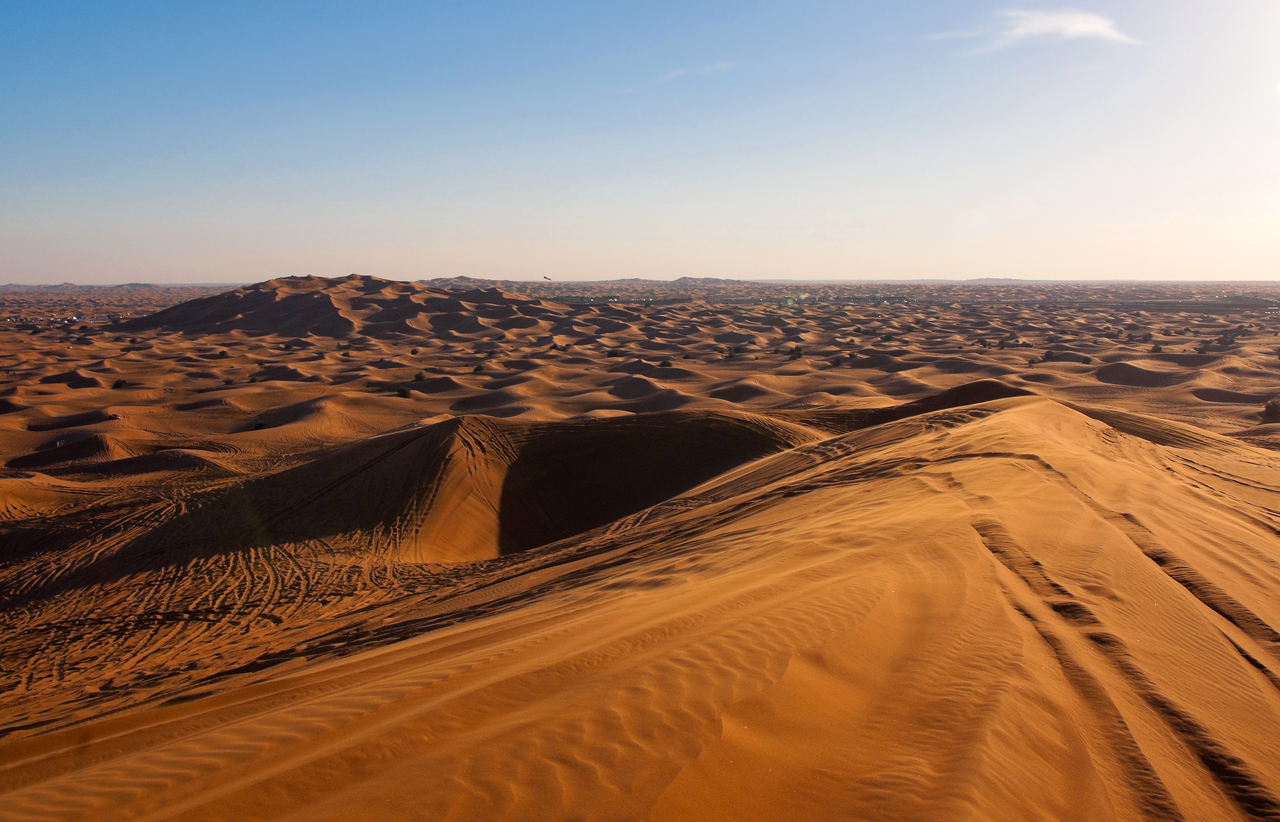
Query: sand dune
x,y
787,640
466,489
932,580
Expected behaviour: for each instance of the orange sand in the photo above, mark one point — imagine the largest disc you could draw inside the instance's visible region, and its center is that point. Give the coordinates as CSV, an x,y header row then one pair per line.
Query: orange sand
x,y
935,582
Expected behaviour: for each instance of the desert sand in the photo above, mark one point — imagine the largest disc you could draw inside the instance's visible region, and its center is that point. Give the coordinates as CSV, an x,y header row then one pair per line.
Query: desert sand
x,y
361,549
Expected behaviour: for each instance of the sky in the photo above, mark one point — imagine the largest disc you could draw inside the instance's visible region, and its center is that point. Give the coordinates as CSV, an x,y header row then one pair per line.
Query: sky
x,y
239,141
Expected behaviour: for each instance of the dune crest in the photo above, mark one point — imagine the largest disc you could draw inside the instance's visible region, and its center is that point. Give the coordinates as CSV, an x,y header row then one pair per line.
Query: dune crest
x,y
465,489
986,603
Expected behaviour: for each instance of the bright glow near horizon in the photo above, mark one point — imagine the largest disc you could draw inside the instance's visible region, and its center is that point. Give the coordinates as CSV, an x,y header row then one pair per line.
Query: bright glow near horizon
x,y
242,141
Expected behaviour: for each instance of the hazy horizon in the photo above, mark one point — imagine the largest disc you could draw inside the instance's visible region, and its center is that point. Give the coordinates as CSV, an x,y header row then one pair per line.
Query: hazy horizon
x,y
1103,141
768,280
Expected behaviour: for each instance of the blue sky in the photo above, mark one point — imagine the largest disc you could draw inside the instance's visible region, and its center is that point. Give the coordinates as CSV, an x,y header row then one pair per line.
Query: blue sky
x,y
239,141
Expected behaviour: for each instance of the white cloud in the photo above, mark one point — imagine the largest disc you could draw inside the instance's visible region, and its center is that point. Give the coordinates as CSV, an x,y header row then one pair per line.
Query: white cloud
x,y
1022,25
1019,25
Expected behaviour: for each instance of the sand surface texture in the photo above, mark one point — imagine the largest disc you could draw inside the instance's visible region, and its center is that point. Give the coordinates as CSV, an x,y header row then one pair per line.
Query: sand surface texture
x,y
355,549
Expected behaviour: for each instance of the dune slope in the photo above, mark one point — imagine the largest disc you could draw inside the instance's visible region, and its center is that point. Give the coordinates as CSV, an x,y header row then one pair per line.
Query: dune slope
x,y
468,488
996,607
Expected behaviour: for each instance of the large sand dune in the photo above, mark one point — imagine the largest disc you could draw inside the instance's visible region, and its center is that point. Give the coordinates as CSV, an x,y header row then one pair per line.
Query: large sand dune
x,y
826,593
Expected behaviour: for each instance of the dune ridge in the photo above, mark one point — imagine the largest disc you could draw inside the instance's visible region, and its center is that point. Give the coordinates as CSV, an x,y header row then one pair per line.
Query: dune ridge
x,y
470,488
947,653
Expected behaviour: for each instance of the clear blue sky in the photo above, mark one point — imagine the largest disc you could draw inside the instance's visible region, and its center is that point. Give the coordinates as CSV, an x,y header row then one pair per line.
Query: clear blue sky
x,y
239,141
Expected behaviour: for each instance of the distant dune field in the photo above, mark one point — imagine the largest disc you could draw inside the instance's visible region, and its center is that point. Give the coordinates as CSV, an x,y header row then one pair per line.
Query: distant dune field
x,y
361,549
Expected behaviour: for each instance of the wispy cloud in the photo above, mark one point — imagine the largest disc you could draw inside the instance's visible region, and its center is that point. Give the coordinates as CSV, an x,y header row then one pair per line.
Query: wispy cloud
x,y
1022,25
1060,25
676,74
